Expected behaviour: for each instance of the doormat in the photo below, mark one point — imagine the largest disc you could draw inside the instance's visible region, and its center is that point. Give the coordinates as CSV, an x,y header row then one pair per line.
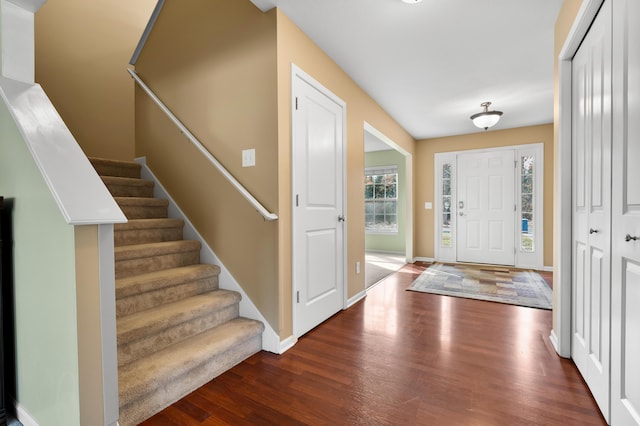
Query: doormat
x,y
485,282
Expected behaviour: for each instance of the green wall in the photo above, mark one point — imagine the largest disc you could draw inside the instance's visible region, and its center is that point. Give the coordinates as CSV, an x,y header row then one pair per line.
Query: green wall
x,y
45,294
390,242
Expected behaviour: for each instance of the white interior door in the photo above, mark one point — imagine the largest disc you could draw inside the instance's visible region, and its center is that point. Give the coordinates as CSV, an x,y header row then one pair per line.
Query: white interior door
x,y
318,215
486,207
591,146
625,298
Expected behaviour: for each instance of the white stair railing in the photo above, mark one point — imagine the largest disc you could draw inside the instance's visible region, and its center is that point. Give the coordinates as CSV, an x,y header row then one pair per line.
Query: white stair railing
x,y
237,185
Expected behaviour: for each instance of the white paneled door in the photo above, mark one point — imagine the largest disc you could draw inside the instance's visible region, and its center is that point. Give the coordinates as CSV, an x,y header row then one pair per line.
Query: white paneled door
x,y
625,236
591,200
318,214
486,207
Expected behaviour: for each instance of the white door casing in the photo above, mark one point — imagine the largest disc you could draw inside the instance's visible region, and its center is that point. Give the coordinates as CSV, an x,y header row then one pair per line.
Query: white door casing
x,y
591,200
445,237
318,204
625,291
486,207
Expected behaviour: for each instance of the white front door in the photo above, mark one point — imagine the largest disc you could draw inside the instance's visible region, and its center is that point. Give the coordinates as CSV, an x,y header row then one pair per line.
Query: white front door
x,y
486,207
625,289
591,147
318,214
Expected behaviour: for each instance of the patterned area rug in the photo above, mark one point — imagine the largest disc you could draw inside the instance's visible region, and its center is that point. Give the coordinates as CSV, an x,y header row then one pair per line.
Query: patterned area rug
x,y
483,282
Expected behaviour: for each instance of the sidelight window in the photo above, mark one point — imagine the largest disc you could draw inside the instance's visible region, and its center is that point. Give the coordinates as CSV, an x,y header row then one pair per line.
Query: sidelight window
x,y
445,235
527,203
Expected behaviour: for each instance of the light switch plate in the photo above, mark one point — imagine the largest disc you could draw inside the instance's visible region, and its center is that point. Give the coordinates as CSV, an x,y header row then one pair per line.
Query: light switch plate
x,y
248,157
428,205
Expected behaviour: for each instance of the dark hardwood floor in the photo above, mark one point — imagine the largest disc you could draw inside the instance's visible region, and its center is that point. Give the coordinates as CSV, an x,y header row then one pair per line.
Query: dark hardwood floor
x,y
403,358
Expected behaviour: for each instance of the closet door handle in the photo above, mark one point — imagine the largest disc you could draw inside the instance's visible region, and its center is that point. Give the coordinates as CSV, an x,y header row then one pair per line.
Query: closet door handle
x,y
629,238
593,231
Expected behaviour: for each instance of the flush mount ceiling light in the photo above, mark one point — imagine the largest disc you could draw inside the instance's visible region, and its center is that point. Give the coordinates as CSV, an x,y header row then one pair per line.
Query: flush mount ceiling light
x,y
412,1
486,118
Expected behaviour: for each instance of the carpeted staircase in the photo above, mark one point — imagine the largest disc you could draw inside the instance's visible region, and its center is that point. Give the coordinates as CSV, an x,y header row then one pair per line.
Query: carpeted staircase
x,y
176,329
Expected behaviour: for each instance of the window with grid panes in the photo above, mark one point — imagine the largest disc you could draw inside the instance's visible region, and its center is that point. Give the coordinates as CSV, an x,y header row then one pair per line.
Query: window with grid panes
x,y
381,199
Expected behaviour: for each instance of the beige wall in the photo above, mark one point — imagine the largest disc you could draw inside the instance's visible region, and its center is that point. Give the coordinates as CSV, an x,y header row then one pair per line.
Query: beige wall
x,y
295,47
90,383
82,52
219,77
424,177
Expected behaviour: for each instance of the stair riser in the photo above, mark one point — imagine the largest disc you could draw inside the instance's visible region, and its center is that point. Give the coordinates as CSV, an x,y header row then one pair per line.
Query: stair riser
x,y
130,190
151,299
130,267
106,169
135,350
143,236
171,390
145,212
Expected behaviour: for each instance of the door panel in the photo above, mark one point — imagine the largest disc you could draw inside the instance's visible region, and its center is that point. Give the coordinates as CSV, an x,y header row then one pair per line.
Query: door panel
x,y
625,297
318,251
486,207
591,146
322,271
630,389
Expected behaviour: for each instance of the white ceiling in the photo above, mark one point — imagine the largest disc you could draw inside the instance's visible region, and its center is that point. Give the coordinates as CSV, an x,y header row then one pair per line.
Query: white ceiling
x,y
431,64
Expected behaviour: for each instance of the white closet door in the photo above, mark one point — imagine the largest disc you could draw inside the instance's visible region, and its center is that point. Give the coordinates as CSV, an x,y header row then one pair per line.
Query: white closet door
x,y
625,348
591,143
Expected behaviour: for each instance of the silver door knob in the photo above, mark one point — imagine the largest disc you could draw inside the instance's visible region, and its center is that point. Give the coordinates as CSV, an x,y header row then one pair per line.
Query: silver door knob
x,y
341,218
629,238
593,231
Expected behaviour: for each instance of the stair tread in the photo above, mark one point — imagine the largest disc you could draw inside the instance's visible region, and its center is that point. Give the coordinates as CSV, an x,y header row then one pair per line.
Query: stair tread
x,y
137,251
98,160
154,223
110,161
149,373
144,323
108,167
141,201
137,284
118,180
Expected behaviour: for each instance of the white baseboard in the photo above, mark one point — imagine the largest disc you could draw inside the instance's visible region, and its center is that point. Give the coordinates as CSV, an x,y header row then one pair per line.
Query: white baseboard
x,y
399,253
355,299
287,344
270,339
547,268
554,342
23,416
424,259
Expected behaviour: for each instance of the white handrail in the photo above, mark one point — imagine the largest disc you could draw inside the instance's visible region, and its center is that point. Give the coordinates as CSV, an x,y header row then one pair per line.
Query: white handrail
x,y
246,194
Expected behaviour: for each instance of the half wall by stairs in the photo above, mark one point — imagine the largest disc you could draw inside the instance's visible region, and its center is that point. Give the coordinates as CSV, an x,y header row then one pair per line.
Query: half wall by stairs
x,y
176,329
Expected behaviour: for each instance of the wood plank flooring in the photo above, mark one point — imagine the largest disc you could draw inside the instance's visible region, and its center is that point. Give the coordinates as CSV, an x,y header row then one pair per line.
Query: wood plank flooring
x,y
403,358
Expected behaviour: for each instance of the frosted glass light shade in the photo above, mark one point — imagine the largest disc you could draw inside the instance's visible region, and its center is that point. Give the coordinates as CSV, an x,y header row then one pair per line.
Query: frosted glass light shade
x,y
484,120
